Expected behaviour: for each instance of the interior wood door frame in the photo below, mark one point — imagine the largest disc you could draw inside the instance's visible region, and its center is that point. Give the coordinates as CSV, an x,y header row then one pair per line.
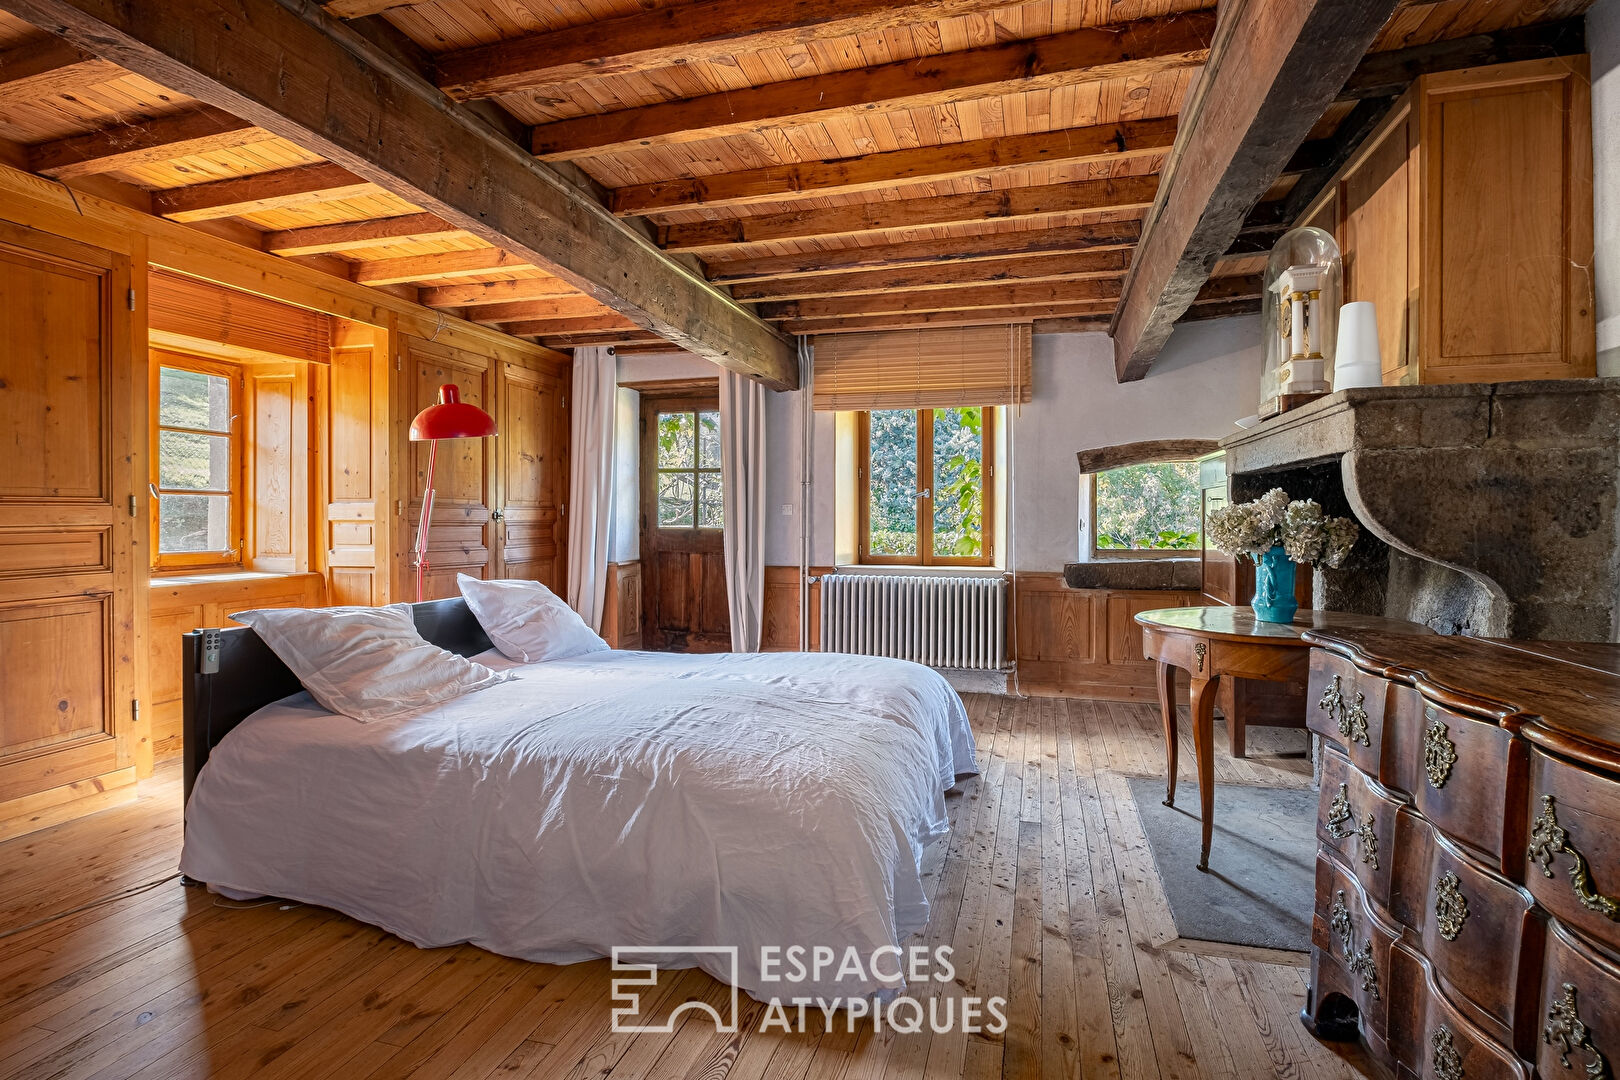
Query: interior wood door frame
x,y
532,522
699,543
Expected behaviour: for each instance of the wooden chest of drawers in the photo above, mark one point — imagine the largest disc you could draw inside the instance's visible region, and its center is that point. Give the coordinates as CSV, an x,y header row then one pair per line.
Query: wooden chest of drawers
x,y
1467,920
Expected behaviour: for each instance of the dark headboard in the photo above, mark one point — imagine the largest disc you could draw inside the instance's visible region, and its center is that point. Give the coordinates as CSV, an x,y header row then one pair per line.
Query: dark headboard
x,y
250,676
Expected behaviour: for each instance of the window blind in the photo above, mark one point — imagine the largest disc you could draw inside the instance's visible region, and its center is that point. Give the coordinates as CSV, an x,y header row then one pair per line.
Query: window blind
x,y
934,368
199,309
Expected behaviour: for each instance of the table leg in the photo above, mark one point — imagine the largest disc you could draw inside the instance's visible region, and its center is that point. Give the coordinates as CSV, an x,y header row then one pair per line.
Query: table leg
x,y
1203,721
1167,713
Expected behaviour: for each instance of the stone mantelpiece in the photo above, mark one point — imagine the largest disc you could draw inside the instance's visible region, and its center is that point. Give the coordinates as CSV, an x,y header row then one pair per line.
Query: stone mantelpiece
x,y
1497,502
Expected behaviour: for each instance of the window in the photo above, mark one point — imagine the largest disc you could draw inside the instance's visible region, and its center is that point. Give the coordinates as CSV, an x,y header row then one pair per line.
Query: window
x,y
689,488
925,486
1149,509
197,465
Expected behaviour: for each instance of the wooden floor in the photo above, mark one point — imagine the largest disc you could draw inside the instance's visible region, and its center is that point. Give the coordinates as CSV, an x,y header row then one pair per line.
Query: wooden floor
x,y
1046,891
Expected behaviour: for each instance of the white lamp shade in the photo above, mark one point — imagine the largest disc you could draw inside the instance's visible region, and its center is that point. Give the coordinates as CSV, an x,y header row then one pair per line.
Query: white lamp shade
x,y
1356,361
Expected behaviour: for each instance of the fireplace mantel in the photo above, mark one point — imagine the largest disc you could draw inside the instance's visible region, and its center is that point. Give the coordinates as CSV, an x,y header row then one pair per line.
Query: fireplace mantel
x,y
1508,490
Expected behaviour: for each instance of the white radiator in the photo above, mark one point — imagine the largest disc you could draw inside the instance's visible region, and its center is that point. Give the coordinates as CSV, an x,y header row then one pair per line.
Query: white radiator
x,y
945,621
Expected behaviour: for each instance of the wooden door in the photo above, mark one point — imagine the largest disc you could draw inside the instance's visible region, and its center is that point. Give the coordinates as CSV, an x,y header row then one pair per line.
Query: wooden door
x,y
684,605
464,481
67,514
530,530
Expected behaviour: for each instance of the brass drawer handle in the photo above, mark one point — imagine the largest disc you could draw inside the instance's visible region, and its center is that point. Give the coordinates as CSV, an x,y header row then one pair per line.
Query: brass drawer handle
x,y
1450,906
1549,839
1369,841
1564,1025
1339,812
1359,961
1447,1062
1332,700
1439,752
1351,720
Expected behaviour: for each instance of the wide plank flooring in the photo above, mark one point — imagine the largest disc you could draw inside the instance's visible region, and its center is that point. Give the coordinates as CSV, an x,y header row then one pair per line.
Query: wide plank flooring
x,y
1045,890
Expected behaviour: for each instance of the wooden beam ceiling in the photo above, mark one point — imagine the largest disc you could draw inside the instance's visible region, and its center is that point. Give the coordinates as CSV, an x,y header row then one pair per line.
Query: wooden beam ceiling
x,y
306,78
495,292
869,172
670,36
440,265
1088,264
41,69
276,190
1006,204
1273,70
123,146
970,317
584,324
358,235
1136,49
1057,292
562,307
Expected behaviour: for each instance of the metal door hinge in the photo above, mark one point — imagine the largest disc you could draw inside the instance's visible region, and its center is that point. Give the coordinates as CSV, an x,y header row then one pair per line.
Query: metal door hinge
x,y
564,404
133,506
399,507
131,298
135,710
562,510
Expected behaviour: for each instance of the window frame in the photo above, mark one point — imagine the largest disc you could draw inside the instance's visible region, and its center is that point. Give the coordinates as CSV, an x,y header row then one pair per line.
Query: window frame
x,y
924,555
697,471
1100,554
234,557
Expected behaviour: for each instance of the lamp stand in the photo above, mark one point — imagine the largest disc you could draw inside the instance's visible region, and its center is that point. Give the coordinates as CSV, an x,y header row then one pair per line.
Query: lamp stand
x,y
426,519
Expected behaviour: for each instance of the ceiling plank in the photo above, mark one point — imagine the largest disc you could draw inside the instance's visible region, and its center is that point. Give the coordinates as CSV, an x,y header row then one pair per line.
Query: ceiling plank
x,y
496,292
1107,236
122,146
559,307
979,317
1057,292
358,235
1134,49
1273,70
439,265
1089,264
275,190
868,172
42,69
1006,204
312,80
680,34
583,325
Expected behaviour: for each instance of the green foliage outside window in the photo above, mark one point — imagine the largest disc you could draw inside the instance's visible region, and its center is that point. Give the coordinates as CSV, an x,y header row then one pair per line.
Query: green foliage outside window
x,y
956,484
1153,507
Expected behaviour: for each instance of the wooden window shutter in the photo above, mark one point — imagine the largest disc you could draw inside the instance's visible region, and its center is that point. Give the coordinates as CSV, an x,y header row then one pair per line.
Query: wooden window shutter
x,y
936,368
204,311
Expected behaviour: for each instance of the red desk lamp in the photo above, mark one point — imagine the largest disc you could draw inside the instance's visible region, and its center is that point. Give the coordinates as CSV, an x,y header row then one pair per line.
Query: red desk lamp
x,y
451,418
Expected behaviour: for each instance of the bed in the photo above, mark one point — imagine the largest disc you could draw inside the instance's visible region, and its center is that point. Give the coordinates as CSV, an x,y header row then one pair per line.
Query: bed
x,y
615,799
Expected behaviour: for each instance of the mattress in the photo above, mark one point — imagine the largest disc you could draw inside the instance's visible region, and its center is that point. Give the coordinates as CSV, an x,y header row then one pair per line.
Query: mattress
x,y
634,800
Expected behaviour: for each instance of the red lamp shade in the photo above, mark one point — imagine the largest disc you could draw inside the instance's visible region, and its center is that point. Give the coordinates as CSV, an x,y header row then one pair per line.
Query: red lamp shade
x,y
451,418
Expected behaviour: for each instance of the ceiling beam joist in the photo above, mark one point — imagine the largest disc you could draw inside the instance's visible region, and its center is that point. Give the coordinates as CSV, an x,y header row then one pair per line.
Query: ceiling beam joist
x,y
926,164
42,69
276,190
560,307
620,337
1088,264
497,292
309,79
585,324
358,235
1273,70
439,266
123,146
1388,74
1056,292
682,34
1135,49
1007,204
979,317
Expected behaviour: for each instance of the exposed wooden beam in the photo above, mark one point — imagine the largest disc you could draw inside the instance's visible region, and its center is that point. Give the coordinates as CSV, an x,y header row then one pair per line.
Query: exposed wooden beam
x,y
559,307
275,190
625,337
497,292
438,266
1084,196
678,34
1106,236
974,317
122,146
585,324
1073,324
1059,292
1389,73
1088,264
1219,309
1134,49
41,69
359,9
358,235
926,164
1273,70
299,74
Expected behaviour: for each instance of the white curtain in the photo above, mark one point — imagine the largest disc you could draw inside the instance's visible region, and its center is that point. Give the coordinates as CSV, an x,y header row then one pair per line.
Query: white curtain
x,y
590,480
742,467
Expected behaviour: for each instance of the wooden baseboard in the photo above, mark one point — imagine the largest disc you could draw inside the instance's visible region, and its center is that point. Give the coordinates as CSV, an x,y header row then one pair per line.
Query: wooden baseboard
x,y
46,808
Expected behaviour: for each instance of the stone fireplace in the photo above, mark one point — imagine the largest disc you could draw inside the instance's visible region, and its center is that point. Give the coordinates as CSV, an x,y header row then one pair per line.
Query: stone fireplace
x,y
1486,509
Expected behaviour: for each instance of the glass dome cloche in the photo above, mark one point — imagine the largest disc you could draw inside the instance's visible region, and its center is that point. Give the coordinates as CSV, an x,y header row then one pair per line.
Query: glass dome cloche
x,y
1299,313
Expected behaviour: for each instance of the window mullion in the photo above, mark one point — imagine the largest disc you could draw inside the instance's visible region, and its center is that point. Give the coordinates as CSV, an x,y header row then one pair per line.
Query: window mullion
x,y
925,482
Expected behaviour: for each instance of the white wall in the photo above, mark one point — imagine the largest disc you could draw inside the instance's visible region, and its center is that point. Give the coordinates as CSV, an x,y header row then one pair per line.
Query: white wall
x,y
1603,41
1207,377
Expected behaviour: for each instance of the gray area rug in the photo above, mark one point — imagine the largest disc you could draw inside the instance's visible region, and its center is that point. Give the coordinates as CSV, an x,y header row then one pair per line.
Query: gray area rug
x,y
1261,883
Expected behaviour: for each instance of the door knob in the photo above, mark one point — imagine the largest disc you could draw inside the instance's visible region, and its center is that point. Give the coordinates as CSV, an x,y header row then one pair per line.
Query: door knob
x,y
497,515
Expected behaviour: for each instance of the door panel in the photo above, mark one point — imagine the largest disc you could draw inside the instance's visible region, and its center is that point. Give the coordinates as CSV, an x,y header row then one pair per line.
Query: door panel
x,y
533,451
684,598
67,513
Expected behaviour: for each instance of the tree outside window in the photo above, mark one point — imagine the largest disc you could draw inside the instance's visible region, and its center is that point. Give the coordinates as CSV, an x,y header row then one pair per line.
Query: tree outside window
x,y
1154,507
924,493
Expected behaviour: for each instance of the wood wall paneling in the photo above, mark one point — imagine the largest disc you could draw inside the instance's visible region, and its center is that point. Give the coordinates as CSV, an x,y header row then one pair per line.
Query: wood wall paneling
x,y
621,612
358,519
532,481
1084,642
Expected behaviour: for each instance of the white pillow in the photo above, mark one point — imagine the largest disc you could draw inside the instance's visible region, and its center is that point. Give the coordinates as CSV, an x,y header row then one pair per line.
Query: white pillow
x,y
527,621
366,662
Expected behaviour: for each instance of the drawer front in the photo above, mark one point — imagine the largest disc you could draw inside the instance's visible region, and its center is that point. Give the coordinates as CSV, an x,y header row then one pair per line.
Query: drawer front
x,y
1579,1014
1474,926
1356,821
1572,857
1346,935
1345,706
1462,768
1431,1038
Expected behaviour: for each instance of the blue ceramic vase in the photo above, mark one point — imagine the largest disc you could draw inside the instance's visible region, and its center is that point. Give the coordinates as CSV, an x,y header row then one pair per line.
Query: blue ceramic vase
x,y
1274,587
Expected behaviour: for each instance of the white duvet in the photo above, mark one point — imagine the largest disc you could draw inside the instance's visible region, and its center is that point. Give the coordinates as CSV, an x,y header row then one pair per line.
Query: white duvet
x,y
615,799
